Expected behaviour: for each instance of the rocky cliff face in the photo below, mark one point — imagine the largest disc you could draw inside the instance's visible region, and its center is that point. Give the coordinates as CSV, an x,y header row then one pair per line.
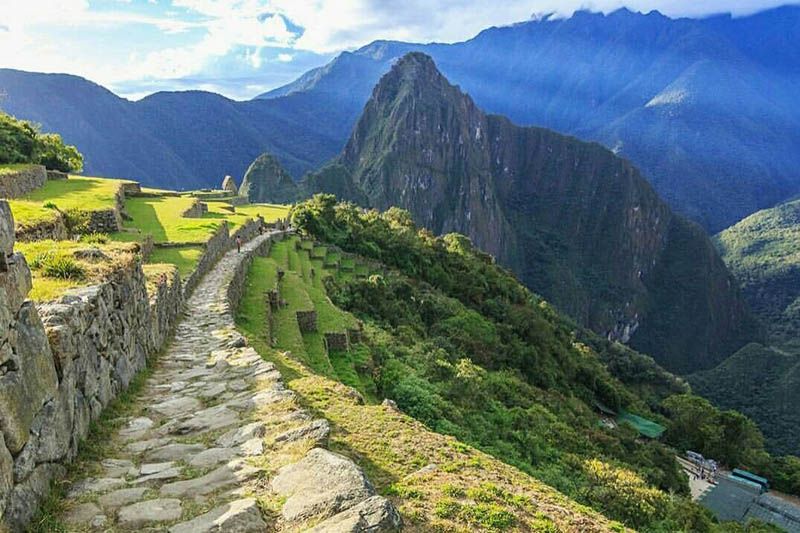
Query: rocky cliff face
x,y
267,181
577,223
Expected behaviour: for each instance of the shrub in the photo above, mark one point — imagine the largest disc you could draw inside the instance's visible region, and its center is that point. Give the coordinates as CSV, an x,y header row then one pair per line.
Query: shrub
x,y
77,221
51,152
21,142
17,140
95,238
62,267
50,205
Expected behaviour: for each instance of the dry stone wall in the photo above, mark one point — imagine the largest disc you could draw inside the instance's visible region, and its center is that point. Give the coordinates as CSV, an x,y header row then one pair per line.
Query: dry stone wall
x,y
23,181
197,210
62,364
55,229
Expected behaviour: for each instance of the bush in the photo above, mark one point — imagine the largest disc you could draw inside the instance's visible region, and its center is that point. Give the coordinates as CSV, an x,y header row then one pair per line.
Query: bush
x,y
51,152
95,238
17,140
21,142
62,267
77,221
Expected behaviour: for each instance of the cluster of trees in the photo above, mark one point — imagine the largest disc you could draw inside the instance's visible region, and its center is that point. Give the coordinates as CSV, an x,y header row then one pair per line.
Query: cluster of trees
x,y
22,142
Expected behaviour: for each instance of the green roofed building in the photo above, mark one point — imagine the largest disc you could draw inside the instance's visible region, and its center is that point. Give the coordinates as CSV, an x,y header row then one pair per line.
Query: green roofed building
x,y
749,476
646,428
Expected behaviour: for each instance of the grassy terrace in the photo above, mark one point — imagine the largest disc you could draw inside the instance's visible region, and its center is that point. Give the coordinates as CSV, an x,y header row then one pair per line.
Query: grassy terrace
x,y
55,265
59,265
77,192
466,490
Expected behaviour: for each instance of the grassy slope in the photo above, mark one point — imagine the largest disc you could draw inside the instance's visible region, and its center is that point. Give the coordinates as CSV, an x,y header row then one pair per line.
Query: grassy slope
x,y
438,483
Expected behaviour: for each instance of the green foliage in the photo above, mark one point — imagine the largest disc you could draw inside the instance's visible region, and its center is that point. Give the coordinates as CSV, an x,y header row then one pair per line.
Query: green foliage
x,y
52,152
61,267
21,142
471,353
17,140
78,221
95,238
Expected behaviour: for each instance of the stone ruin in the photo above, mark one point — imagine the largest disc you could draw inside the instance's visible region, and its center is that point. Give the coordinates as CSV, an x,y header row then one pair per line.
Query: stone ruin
x,y
229,185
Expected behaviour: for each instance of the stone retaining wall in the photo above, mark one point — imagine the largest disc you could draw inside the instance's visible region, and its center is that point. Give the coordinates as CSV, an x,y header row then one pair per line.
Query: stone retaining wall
x,y
55,229
62,364
217,245
54,175
23,181
306,321
197,210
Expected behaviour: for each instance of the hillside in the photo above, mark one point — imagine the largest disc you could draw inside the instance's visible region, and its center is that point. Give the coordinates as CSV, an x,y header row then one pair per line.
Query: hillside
x,y
182,140
577,224
763,252
433,325
167,419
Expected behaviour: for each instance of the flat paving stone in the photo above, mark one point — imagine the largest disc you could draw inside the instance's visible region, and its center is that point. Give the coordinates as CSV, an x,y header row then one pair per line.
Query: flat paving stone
x,y
149,511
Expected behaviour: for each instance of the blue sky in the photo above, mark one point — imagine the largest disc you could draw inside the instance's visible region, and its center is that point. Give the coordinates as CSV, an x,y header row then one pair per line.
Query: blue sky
x,y
241,48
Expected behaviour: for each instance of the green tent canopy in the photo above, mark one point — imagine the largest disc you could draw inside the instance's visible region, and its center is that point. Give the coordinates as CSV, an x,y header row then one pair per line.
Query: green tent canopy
x,y
645,427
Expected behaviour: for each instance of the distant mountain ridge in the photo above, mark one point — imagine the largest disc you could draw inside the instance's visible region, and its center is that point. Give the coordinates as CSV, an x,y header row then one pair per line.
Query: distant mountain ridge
x,y
578,224
705,107
178,140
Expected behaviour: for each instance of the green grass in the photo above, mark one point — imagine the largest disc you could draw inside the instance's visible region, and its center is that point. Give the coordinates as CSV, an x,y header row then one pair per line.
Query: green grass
x,y
77,192
161,218
184,258
48,288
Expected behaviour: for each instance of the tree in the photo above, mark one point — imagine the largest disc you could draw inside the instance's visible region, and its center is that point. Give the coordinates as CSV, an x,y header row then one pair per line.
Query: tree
x,y
17,140
51,152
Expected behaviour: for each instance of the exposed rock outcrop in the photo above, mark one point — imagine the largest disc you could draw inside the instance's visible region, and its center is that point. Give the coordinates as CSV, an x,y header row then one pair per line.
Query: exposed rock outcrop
x,y
267,181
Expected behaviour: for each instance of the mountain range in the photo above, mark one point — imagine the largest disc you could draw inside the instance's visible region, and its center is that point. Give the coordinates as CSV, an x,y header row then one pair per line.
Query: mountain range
x,y
705,107
577,223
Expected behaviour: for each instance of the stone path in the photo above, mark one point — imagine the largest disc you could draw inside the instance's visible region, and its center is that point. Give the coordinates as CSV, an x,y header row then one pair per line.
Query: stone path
x,y
217,432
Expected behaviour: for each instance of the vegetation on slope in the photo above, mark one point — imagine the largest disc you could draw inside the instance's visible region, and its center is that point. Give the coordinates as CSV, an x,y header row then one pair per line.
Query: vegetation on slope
x,y
471,353
763,252
22,142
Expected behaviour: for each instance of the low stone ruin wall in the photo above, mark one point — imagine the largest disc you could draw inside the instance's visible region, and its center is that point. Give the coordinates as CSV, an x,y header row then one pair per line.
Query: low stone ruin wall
x,y
307,321
55,229
105,221
217,245
197,210
62,364
337,342
53,175
238,200
23,181
249,229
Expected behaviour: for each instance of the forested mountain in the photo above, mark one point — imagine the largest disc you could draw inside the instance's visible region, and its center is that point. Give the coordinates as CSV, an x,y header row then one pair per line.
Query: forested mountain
x,y
578,224
763,252
705,107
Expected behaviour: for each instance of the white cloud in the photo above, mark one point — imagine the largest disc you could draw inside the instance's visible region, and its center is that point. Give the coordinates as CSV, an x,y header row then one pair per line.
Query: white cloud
x,y
186,38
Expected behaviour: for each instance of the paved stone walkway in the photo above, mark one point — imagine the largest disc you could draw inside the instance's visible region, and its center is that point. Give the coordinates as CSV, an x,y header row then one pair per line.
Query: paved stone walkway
x,y
216,435
212,421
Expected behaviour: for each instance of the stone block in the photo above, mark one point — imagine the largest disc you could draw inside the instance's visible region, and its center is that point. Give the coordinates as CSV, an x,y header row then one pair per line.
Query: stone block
x,y
337,342
307,321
